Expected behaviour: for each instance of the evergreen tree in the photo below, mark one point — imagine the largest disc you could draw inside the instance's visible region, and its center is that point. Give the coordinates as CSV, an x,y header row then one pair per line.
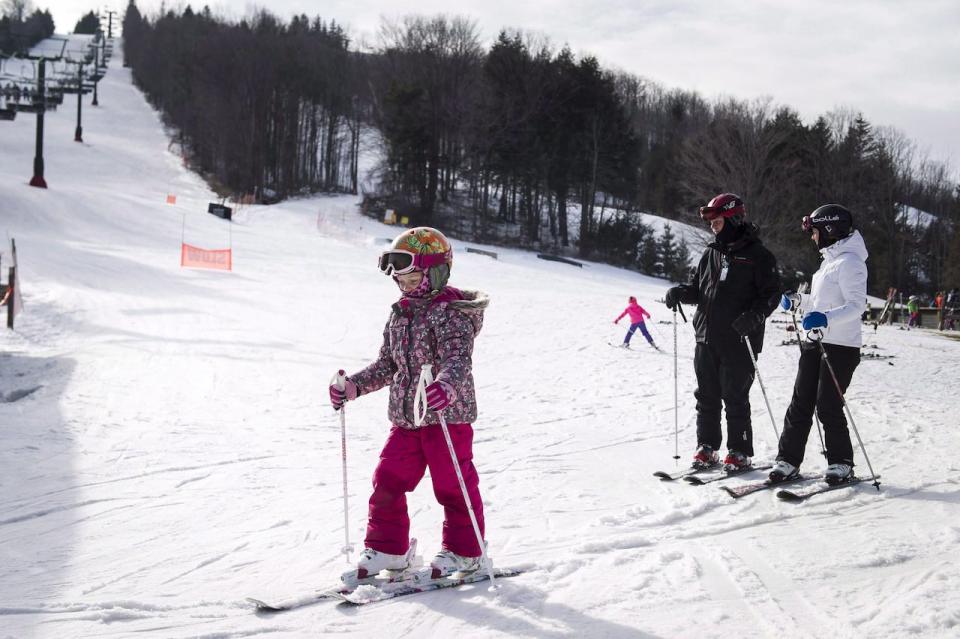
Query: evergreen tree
x,y
681,272
88,24
649,260
668,248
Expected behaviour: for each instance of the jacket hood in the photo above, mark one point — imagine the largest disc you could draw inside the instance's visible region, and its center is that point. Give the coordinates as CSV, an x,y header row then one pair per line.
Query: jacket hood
x,y
471,303
853,244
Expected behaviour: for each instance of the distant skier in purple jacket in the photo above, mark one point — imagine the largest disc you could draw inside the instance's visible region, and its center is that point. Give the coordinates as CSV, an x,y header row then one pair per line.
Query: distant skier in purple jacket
x,y
637,314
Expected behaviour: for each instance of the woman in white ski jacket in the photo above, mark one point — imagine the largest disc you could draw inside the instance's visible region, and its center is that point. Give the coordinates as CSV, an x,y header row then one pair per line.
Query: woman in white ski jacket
x,y
836,301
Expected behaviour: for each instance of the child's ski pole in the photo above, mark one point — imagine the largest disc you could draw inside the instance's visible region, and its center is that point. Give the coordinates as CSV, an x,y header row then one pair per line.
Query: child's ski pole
x,y
341,381
420,414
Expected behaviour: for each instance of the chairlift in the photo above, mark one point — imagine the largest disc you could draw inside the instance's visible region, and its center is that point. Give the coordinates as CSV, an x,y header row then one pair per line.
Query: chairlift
x,y
7,112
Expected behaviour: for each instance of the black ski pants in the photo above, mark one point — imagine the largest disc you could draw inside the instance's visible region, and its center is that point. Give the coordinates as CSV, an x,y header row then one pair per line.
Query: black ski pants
x,y
724,376
815,388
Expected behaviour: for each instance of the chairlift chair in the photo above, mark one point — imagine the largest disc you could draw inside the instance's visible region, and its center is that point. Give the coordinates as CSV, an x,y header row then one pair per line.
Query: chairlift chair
x,y
28,107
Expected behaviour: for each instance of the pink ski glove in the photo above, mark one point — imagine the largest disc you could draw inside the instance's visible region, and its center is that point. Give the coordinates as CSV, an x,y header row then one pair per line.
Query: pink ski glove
x,y
439,396
340,397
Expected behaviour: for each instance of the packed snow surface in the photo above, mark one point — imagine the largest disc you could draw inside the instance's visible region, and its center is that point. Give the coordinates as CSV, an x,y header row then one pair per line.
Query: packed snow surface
x,y
167,448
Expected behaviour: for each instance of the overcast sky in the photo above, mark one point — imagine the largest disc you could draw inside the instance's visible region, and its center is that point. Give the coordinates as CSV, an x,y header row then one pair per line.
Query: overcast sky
x,y
897,62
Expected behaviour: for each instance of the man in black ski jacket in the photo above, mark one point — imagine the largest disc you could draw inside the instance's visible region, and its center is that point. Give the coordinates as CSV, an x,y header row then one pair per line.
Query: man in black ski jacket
x,y
735,288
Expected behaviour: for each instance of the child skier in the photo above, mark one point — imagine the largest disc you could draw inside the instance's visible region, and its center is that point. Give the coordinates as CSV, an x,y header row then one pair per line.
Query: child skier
x,y
431,323
636,313
833,306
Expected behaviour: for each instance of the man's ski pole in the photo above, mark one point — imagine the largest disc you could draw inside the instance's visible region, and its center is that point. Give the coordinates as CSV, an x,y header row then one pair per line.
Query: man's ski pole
x,y
753,358
676,391
341,381
676,385
420,414
843,400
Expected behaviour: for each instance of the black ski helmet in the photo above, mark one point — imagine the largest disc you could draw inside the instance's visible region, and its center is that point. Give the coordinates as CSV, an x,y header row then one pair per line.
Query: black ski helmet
x,y
835,222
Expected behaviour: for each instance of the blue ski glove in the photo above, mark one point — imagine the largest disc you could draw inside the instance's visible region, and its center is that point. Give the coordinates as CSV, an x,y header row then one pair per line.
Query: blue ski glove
x,y
789,301
814,320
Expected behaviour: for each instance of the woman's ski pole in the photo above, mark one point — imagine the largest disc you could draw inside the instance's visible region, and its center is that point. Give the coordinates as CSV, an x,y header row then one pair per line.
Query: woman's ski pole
x,y
420,414
753,358
816,418
341,381
843,400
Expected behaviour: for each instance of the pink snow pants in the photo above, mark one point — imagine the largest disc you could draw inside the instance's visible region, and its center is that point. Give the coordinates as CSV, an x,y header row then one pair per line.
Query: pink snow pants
x,y
403,461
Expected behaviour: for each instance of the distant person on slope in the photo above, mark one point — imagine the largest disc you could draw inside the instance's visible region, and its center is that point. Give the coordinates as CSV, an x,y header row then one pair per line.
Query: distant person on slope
x,y
913,308
431,323
636,313
735,288
953,304
833,307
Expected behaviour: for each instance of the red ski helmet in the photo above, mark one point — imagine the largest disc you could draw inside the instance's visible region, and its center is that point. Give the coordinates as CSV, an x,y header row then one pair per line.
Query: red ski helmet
x,y
419,249
725,205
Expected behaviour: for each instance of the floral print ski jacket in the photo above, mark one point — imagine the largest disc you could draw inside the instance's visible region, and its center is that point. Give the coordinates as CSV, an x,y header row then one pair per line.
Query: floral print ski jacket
x,y
438,330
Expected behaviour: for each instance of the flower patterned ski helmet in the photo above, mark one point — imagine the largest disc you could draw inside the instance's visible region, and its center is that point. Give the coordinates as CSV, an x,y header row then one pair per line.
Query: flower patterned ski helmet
x,y
421,248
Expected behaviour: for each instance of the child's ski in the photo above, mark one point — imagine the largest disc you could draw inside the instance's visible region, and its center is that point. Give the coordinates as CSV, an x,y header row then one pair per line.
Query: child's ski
x,y
347,584
420,582
279,605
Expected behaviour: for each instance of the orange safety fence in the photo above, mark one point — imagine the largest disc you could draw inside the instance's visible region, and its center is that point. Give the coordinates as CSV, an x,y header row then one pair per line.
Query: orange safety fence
x,y
196,257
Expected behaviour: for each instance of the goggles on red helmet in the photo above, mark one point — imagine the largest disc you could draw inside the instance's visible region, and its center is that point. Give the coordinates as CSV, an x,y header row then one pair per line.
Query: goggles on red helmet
x,y
725,205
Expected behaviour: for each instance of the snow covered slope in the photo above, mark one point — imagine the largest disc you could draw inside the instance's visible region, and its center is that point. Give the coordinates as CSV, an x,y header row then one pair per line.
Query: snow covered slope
x,y
166,447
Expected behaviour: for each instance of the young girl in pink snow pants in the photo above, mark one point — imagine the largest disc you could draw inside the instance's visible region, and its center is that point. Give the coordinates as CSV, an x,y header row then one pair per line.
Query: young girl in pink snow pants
x,y
636,313
435,324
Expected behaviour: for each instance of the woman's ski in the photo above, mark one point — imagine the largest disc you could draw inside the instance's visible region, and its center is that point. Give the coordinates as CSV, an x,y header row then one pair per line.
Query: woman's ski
x,y
798,496
748,489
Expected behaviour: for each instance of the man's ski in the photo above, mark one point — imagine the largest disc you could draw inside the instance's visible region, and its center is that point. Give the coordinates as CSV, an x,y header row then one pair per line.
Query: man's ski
x,y
420,582
727,474
748,489
798,496
665,476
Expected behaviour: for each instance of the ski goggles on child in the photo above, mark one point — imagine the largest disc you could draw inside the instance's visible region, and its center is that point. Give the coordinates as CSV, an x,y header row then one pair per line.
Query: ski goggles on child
x,y
807,224
397,262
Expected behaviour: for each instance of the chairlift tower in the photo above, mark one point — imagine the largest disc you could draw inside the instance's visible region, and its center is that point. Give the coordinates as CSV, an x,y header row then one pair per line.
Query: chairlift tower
x,y
78,134
110,13
37,179
96,73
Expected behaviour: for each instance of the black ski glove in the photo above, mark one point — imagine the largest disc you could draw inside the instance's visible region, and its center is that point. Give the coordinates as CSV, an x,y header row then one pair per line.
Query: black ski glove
x,y
672,298
748,322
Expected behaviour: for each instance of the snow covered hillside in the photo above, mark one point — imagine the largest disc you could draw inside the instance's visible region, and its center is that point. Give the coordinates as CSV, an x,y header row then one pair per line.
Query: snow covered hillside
x,y
167,448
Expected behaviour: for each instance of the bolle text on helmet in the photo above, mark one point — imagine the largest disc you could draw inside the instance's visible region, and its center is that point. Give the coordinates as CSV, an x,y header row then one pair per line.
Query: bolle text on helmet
x,y
825,218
